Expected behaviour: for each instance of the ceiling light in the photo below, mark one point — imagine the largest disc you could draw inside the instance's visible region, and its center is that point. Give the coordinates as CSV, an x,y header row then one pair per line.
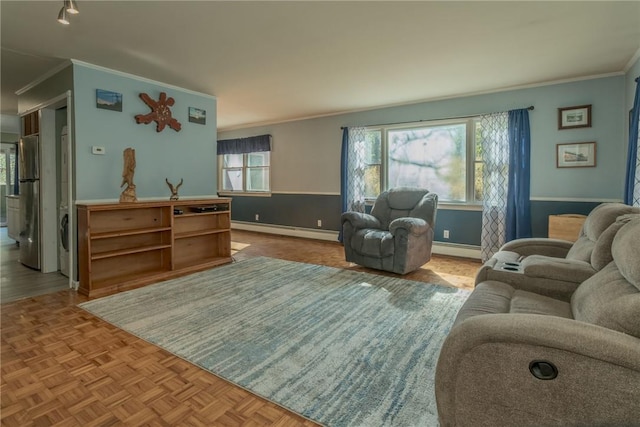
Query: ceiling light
x,y
62,16
71,6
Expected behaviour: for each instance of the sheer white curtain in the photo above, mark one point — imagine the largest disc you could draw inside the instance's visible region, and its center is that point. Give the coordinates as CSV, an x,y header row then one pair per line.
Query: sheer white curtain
x,y
495,175
355,168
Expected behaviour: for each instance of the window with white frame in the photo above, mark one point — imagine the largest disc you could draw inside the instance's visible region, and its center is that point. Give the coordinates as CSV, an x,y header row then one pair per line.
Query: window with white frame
x,y
443,156
245,172
244,165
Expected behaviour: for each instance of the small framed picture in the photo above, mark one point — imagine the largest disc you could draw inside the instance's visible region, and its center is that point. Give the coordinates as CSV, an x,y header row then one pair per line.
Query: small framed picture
x,y
197,115
108,100
576,155
574,117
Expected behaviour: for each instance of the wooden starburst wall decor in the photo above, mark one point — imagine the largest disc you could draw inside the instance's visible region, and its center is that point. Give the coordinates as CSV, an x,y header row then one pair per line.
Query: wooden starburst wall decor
x,y
160,112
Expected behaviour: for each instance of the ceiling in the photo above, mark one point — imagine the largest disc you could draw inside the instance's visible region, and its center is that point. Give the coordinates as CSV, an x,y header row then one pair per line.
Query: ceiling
x,y
276,61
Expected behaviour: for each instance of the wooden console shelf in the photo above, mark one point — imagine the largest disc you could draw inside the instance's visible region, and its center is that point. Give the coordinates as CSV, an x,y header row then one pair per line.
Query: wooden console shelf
x,y
126,245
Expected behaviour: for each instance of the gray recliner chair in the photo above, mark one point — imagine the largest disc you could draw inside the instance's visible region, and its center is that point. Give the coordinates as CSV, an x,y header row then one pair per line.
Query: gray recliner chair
x,y
398,234
519,358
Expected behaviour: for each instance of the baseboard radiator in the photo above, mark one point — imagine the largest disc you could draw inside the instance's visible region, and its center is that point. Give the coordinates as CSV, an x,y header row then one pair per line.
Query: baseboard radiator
x,y
440,248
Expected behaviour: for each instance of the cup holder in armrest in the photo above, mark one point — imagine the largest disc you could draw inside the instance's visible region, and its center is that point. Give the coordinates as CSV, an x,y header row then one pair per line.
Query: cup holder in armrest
x,y
511,267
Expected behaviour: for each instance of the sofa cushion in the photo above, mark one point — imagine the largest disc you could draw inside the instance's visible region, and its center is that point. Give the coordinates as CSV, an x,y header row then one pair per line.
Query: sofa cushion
x,y
600,218
493,297
602,251
611,298
373,242
626,249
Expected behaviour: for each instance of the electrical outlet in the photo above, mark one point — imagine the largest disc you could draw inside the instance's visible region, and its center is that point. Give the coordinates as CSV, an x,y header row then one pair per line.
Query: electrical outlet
x,y
257,217
446,234
319,223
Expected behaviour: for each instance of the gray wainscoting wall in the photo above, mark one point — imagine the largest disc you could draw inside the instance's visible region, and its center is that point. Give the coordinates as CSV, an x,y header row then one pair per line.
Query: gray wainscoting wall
x,y
304,211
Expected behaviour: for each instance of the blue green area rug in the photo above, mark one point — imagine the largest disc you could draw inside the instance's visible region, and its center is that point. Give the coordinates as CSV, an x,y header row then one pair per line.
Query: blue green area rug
x,y
340,347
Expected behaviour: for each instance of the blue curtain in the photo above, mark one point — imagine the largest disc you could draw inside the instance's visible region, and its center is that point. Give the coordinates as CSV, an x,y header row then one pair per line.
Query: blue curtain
x,y
518,216
344,174
252,144
632,156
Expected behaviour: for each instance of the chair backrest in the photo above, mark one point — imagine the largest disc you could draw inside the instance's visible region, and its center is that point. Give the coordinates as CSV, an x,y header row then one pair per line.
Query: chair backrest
x,y
611,297
600,218
403,202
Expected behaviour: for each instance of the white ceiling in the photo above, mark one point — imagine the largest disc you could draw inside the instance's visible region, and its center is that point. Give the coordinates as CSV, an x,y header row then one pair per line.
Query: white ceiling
x,y
275,61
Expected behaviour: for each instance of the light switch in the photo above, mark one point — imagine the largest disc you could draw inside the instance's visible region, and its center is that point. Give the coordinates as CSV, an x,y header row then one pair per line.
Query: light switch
x,y
97,150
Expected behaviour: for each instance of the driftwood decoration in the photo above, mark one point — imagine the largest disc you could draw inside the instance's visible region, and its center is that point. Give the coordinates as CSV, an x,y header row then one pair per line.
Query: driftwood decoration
x,y
160,112
128,195
174,190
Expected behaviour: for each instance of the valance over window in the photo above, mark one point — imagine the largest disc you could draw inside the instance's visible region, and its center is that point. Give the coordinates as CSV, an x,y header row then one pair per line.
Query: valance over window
x,y
252,144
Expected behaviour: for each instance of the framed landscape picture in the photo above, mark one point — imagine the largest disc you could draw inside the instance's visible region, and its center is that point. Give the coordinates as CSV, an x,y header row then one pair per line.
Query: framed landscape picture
x,y
108,100
574,117
197,115
576,155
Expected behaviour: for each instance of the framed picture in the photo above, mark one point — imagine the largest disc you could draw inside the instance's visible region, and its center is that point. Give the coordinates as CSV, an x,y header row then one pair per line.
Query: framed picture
x,y
576,155
574,117
197,115
108,100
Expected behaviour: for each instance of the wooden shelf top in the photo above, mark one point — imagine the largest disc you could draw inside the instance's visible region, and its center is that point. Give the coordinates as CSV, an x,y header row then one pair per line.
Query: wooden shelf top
x,y
111,205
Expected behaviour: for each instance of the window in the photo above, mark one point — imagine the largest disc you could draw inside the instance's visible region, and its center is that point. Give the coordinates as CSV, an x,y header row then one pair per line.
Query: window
x,y
444,157
244,164
247,172
8,166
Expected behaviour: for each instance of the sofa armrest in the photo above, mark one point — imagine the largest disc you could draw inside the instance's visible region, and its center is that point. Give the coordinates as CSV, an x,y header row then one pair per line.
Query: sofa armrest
x,y
544,267
539,246
415,226
483,373
360,220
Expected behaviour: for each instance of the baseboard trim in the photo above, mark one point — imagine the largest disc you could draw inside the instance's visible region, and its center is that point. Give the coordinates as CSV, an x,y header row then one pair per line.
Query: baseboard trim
x,y
284,230
452,249
449,249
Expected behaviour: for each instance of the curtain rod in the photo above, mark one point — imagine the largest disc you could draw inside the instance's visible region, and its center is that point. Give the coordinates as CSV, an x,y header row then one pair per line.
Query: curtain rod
x,y
531,107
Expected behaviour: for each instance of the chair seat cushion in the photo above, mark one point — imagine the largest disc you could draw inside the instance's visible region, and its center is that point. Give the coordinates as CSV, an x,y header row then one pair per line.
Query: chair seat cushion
x,y
493,297
373,242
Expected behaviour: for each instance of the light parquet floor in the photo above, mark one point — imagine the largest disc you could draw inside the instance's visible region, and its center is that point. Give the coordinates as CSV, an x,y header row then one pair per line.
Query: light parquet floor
x,y
61,366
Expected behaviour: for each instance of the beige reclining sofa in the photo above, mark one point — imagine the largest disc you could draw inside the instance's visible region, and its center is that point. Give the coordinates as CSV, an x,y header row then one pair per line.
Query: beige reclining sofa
x,y
520,358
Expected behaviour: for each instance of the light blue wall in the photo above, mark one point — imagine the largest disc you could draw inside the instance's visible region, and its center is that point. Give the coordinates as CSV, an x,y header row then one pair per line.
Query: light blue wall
x,y
189,154
306,156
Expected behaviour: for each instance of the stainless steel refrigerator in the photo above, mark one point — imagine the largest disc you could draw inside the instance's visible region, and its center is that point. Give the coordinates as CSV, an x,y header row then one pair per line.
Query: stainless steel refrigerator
x,y
29,178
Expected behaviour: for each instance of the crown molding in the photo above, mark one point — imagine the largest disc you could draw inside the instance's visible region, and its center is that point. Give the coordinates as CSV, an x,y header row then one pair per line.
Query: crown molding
x,y
139,78
45,76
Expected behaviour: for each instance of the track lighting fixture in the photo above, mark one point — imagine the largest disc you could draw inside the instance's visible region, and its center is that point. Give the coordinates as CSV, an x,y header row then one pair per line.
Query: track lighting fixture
x,y
70,8
62,16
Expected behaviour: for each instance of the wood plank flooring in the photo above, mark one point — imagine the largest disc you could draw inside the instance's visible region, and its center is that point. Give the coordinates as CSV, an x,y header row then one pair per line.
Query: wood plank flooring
x,y
18,281
62,366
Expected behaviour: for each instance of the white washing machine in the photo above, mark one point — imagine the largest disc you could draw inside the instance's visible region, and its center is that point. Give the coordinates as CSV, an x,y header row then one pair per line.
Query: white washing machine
x,y
63,217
